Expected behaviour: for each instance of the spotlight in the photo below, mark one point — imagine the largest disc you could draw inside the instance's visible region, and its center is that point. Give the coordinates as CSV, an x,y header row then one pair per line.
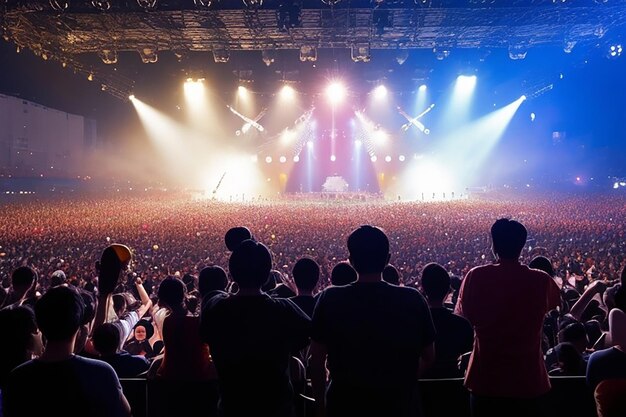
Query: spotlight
x,y
268,56
335,92
333,158
523,97
147,5
148,55
441,54
360,53
268,159
287,92
401,158
568,46
615,51
309,144
90,76
387,158
402,56
422,88
283,159
242,92
517,51
221,55
296,158
108,56
380,92
253,4
358,143
308,53
373,158
59,5
131,97
103,6
202,3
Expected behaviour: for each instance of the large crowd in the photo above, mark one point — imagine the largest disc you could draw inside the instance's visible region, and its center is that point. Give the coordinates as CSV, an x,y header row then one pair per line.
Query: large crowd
x,y
176,235
178,275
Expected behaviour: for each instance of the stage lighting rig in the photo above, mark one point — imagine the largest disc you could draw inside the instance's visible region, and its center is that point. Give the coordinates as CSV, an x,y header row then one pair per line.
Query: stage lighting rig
x,y
331,2
441,53
308,53
288,15
203,3
102,5
59,5
360,53
518,51
108,56
268,56
221,55
147,5
253,4
148,55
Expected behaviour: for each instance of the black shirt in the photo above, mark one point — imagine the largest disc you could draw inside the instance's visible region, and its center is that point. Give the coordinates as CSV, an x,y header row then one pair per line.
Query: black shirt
x,y
305,302
251,339
374,334
455,336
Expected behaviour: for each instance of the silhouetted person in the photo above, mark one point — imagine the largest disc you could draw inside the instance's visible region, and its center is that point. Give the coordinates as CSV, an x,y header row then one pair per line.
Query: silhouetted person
x,y
506,303
455,335
371,336
252,337
23,282
212,280
391,275
343,274
306,274
235,235
106,341
59,382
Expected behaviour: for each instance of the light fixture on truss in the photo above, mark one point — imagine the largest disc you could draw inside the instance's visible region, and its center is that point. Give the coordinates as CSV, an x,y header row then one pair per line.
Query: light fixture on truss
x,y
147,5
148,55
221,55
102,5
203,3
108,56
308,53
360,53
59,5
268,56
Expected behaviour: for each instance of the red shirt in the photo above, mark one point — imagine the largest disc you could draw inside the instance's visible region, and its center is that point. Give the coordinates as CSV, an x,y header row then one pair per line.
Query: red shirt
x,y
506,304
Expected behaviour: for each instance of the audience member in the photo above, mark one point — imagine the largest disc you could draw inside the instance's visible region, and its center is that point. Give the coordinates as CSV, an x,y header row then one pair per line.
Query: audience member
x,y
373,335
306,274
59,382
506,303
343,274
106,341
252,335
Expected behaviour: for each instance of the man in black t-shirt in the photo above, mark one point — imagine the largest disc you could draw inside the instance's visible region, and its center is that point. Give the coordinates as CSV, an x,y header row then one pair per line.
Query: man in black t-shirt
x,y
252,337
455,335
373,335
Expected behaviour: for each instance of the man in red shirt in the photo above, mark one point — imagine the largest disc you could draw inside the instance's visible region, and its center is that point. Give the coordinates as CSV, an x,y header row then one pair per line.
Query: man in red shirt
x,y
506,303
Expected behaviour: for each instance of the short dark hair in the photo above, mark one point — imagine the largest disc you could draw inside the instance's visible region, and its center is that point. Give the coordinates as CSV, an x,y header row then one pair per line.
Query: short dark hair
x,y
343,274
212,278
543,264
306,274
250,264
435,281
23,277
369,249
391,275
59,313
235,236
171,292
508,238
106,338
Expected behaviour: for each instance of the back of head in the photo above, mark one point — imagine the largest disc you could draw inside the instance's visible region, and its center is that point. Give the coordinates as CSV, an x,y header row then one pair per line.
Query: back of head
x,y
57,278
508,238
250,264
59,313
190,282
369,250
343,274
543,264
18,327
235,235
574,333
171,293
23,278
212,278
306,274
391,275
435,282
106,338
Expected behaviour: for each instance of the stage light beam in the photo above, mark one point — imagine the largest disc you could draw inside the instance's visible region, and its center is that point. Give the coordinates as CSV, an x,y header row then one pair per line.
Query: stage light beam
x,y
335,93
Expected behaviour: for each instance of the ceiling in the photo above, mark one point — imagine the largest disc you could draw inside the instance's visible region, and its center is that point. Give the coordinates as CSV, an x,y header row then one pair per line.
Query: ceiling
x,y
54,31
